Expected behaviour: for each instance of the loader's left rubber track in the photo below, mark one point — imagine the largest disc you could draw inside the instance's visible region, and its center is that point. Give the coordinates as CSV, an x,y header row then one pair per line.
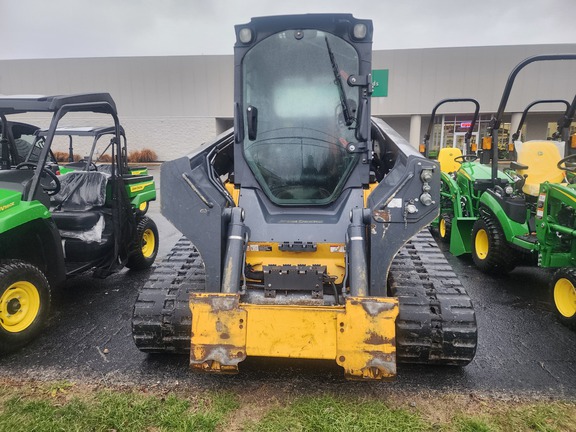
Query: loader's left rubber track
x,y
161,319
436,323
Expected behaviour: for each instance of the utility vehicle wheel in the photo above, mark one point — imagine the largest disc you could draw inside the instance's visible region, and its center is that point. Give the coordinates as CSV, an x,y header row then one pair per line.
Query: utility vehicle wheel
x,y
563,293
490,251
143,208
147,245
445,227
24,303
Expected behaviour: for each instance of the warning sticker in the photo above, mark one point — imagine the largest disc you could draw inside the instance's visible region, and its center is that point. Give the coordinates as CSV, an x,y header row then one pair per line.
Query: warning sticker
x,y
259,248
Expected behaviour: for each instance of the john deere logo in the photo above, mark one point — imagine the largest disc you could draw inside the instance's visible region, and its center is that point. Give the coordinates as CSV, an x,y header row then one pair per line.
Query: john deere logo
x,y
139,187
7,206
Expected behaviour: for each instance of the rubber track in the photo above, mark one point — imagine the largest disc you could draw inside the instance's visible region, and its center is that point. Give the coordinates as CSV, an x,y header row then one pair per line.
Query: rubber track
x,y
161,319
436,323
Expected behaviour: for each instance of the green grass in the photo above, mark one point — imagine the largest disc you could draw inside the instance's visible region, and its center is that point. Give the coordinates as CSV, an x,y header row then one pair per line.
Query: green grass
x,y
327,413
115,411
63,406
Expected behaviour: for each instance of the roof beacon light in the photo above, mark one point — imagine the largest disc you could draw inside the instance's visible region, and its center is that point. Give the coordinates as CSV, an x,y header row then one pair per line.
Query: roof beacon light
x,y
360,31
245,35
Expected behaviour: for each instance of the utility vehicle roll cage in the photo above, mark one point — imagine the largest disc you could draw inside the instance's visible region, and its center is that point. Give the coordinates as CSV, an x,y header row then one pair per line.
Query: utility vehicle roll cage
x,y
468,135
496,120
60,106
96,133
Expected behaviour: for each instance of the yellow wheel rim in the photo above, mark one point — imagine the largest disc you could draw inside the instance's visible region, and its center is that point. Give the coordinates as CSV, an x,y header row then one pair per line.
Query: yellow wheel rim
x,y
142,207
19,306
148,243
481,244
565,297
442,228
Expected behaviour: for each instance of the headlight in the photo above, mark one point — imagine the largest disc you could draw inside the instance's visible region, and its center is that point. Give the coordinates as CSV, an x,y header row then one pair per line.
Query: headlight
x,y
245,35
360,31
508,189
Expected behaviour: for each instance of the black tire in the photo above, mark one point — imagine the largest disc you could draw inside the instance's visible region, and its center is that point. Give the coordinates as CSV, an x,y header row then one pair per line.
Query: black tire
x,y
563,296
147,241
445,227
24,303
490,251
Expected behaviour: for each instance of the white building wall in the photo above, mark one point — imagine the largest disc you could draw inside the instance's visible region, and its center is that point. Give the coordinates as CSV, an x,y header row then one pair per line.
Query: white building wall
x,y
172,104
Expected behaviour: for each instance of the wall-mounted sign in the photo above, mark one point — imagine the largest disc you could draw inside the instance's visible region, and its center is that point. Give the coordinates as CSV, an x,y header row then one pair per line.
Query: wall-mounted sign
x,y
380,82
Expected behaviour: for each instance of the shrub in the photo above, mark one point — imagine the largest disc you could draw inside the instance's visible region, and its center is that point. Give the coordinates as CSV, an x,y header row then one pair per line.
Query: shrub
x,y
144,155
105,158
147,155
63,156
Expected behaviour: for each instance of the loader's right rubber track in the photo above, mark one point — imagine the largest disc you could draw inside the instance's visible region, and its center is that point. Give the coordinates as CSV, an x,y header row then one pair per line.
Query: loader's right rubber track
x,y
161,320
436,322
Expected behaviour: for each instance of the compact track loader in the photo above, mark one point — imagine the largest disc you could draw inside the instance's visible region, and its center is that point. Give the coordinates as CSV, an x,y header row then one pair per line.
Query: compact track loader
x,y
303,224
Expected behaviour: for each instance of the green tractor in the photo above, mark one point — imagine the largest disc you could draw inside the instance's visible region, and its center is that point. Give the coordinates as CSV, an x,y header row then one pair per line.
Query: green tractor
x,y
53,227
463,181
538,216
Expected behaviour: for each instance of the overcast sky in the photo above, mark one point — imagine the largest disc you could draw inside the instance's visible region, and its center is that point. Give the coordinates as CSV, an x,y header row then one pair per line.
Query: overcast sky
x,y
96,28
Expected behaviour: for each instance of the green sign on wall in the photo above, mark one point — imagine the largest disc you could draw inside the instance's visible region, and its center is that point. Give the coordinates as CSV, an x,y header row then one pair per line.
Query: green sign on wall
x,y
380,82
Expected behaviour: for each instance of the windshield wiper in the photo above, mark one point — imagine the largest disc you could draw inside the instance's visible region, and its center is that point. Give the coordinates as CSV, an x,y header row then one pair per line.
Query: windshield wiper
x,y
348,119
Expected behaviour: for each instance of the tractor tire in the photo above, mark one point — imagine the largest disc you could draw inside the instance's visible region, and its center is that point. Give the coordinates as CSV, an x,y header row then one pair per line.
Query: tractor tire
x,y
147,242
161,319
445,227
563,296
490,251
24,303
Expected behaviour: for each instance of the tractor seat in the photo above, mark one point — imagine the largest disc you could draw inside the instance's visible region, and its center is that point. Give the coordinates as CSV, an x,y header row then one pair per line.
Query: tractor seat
x,y
541,159
80,191
446,157
76,221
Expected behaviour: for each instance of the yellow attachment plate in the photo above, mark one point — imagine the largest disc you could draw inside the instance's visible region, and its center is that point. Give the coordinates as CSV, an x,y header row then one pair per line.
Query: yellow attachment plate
x,y
359,335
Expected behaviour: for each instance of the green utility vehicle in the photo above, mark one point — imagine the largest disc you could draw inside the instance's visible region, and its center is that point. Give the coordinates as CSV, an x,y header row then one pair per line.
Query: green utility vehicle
x,y
53,227
538,216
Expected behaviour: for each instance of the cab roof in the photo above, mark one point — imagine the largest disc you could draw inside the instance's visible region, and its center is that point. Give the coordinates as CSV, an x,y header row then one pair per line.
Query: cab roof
x,y
83,131
94,102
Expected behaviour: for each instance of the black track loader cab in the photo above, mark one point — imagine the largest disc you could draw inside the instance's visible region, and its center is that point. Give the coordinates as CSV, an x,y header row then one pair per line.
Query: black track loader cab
x,y
300,97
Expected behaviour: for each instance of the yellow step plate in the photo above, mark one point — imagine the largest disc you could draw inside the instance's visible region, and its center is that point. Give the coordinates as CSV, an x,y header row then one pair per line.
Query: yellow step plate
x,y
359,336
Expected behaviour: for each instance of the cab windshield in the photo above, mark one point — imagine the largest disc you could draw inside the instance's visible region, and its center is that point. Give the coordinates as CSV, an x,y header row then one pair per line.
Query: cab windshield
x,y
296,83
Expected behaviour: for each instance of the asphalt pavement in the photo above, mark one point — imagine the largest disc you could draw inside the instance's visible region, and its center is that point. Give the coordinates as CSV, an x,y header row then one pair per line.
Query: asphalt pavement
x,y
522,348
